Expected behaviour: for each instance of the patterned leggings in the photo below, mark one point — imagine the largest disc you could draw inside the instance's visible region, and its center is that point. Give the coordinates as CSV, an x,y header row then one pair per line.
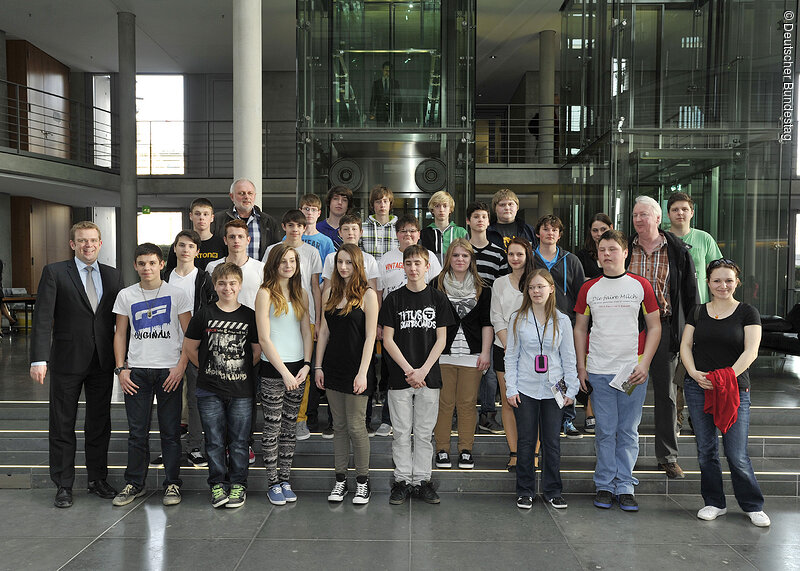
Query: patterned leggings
x,y
280,427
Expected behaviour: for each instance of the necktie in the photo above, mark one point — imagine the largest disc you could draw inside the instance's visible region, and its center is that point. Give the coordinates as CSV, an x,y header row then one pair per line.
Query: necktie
x,y
91,291
386,84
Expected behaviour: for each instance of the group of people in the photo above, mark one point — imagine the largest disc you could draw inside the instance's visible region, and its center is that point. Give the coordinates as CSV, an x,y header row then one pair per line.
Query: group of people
x,y
246,311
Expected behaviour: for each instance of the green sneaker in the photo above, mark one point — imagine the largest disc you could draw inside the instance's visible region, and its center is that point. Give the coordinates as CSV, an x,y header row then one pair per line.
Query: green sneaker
x,y
218,496
237,496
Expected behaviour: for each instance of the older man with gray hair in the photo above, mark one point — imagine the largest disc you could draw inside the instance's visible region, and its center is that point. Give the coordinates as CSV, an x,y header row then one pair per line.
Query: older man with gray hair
x,y
664,260
262,227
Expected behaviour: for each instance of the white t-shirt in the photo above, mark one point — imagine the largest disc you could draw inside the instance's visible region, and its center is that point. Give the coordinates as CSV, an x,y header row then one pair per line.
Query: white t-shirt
x,y
156,334
370,266
252,276
186,283
392,276
310,264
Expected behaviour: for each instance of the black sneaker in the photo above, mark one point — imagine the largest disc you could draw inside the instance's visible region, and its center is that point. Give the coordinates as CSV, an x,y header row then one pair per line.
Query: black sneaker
x,y
465,460
426,492
569,430
339,490
197,459
218,496
487,422
327,432
525,502
628,503
443,460
603,499
400,493
157,461
363,491
558,502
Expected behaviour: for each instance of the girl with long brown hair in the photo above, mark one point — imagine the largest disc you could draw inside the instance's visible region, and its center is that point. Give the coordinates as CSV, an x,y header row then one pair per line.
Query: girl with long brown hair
x,y
466,354
541,378
284,333
344,366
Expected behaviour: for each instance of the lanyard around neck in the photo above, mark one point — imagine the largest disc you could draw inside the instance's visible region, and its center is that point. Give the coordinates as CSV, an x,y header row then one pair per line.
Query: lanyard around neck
x,y
541,347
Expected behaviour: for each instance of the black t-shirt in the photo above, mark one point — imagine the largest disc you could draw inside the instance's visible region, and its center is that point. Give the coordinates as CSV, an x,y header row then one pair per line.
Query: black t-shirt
x,y
210,250
718,343
226,354
415,316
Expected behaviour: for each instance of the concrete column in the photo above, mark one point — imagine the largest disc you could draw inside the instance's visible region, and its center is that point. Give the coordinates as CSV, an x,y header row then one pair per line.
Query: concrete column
x,y
247,152
126,39
3,96
547,90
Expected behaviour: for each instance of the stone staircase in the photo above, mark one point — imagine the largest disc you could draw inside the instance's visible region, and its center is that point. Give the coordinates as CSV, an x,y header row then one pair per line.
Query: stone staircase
x,y
774,448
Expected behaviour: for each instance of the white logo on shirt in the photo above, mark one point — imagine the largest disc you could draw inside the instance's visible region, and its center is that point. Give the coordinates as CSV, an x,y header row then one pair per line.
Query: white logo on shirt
x,y
418,318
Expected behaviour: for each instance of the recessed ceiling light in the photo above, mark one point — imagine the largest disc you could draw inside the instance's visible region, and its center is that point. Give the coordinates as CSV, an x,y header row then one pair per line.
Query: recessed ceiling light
x,y
493,57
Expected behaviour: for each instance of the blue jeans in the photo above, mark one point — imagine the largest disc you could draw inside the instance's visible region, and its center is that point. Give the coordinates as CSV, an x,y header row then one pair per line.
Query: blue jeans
x,y
488,389
533,415
616,438
745,486
226,419
138,408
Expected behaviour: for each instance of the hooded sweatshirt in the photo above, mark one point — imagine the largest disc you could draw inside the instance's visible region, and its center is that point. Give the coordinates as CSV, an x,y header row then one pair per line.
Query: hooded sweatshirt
x,y
567,272
438,241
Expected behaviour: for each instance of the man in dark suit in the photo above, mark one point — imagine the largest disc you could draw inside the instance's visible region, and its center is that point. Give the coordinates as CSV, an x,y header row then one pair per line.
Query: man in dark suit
x,y
385,103
73,331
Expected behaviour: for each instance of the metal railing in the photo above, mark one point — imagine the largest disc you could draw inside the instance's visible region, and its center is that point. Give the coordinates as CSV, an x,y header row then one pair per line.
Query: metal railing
x,y
516,134
42,123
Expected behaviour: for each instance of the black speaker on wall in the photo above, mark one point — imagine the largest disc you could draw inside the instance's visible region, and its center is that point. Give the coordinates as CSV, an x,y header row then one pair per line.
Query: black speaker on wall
x,y
345,172
431,175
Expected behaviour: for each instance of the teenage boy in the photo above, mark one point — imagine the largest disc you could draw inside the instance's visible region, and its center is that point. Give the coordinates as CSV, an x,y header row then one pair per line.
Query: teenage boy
x,y
414,319
492,263
442,231
505,205
237,239
198,287
222,343
350,232
568,276
704,249
379,228
392,276
616,302
311,207
158,313
212,247
294,225
339,199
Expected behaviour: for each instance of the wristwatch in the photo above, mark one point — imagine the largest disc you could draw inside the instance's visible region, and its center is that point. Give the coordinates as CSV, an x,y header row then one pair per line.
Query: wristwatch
x,y
118,370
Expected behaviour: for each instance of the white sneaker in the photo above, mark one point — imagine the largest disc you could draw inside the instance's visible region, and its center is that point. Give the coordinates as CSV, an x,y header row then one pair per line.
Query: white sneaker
x,y
384,430
302,431
759,519
710,513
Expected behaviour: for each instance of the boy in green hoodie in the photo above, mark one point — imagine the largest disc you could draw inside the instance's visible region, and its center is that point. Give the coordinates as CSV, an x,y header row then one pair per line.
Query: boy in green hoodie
x,y
442,231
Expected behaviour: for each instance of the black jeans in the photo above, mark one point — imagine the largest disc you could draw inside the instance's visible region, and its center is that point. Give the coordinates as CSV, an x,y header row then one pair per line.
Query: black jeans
x,y
538,418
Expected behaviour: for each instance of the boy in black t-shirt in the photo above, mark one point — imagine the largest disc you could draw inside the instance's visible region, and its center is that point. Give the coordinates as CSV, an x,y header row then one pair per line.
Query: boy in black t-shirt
x,y
414,319
222,342
212,247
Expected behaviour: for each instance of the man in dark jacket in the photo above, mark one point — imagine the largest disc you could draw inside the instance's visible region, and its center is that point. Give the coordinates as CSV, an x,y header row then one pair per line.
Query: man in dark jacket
x,y
73,331
505,205
263,229
664,260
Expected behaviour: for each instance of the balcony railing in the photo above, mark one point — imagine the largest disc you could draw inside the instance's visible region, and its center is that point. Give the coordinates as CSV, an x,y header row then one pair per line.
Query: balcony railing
x,y
516,134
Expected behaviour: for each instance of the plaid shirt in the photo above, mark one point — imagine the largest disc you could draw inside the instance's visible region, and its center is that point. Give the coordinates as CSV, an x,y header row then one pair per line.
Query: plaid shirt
x,y
377,238
255,233
655,269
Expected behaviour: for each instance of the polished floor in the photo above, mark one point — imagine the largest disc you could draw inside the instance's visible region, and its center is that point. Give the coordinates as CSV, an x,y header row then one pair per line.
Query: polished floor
x,y
482,529
465,531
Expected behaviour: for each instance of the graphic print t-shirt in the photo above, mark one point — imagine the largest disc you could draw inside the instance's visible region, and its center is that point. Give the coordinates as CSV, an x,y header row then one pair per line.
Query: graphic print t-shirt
x,y
415,316
156,334
226,354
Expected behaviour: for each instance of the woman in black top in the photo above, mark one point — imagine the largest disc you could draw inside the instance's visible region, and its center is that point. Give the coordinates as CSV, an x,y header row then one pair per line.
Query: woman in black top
x,y
466,355
344,366
599,223
721,335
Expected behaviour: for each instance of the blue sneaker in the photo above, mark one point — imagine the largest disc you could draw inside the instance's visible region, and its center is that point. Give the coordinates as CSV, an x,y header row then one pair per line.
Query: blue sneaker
x,y
288,494
603,499
275,495
628,503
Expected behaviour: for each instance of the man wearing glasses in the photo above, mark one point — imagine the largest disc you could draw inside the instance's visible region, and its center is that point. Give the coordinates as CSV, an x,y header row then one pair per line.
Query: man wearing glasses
x,y
262,228
663,259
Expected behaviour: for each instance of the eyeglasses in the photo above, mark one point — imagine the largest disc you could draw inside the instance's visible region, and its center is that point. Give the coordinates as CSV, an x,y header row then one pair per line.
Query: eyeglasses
x,y
408,231
310,209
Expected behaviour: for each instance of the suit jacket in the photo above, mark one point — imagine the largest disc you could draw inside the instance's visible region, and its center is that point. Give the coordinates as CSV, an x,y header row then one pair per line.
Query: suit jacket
x,y
66,332
383,100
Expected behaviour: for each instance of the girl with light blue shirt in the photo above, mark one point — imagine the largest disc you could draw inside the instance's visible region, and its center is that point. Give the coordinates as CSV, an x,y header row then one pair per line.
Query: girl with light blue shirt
x,y
539,362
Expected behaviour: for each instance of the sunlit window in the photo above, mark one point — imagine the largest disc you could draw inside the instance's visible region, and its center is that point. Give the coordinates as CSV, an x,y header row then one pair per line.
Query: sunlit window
x,y
159,228
159,124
